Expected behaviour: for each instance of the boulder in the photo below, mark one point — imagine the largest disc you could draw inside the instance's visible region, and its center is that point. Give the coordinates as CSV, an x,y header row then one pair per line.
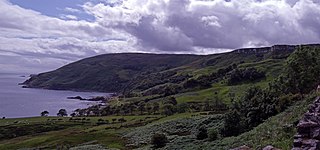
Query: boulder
x,y
305,127
269,147
297,142
311,143
297,136
244,147
315,134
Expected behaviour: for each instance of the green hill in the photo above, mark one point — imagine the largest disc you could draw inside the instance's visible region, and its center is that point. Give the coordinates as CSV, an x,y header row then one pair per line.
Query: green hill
x,y
136,74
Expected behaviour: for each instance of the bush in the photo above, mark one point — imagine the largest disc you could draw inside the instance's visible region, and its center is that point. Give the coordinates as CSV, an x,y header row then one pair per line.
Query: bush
x,y
159,140
242,75
202,133
213,134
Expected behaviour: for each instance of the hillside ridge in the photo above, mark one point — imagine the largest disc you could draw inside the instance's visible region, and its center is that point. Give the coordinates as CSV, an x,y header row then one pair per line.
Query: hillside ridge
x,y
137,72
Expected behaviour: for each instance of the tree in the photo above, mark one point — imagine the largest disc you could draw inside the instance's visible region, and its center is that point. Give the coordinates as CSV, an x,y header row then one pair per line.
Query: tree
x,y
141,107
247,74
159,140
303,70
232,124
132,107
168,109
173,101
116,110
73,114
206,106
106,111
62,113
202,133
149,108
122,120
156,107
44,113
213,134
80,112
182,108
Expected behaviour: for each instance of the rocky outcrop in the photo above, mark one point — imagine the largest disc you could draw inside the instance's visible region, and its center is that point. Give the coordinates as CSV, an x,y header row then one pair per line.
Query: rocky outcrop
x,y
244,147
308,129
262,50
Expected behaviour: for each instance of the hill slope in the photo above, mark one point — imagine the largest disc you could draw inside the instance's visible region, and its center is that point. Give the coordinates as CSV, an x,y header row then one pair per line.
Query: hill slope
x,y
108,72
140,72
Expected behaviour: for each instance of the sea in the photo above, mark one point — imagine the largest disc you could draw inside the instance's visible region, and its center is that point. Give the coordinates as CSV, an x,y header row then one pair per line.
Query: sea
x,y
16,102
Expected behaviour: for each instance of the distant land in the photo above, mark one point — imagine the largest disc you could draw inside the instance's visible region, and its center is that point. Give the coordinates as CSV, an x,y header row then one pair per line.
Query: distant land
x,y
138,73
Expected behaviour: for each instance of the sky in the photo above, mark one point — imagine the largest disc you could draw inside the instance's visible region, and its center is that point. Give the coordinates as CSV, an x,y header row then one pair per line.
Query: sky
x,y
41,35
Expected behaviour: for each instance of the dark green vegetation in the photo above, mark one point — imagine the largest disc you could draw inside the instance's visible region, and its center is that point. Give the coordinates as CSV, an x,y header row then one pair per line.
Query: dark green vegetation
x,y
248,97
64,132
159,140
113,72
149,74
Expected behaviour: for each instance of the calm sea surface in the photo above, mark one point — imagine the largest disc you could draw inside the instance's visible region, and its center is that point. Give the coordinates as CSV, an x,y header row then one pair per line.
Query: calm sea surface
x,y
21,102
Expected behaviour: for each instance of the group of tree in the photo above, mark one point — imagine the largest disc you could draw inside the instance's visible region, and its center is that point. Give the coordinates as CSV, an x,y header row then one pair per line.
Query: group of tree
x,y
301,76
61,113
242,75
168,106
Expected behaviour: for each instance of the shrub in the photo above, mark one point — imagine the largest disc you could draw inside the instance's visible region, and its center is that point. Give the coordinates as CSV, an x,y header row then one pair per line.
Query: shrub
x,y
202,133
213,134
159,140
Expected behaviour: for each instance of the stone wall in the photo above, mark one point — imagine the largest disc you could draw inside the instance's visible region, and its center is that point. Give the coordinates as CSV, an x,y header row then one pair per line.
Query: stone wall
x,y
308,129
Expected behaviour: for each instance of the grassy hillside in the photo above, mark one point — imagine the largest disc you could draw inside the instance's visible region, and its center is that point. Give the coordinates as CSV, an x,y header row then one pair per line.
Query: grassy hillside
x,y
141,74
107,73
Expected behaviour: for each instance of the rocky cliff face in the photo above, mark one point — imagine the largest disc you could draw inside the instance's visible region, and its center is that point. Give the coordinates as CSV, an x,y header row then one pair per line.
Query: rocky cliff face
x,y
308,129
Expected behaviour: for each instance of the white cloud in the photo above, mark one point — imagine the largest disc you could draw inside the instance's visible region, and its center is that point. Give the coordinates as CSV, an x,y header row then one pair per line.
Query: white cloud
x,y
162,26
68,17
72,10
212,23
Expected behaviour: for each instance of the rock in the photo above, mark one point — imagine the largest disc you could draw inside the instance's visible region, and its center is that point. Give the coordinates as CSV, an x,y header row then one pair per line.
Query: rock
x,y
297,136
304,128
297,142
308,137
316,134
269,147
311,143
308,124
244,147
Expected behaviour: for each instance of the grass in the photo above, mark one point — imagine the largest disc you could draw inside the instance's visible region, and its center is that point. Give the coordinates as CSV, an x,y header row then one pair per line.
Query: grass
x,y
67,138
277,131
221,90
78,132
272,67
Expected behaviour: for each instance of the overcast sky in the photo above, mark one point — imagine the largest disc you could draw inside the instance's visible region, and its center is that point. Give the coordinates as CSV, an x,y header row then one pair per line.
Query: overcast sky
x,y
40,35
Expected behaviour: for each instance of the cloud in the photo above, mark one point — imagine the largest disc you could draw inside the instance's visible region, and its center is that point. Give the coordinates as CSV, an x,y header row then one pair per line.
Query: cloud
x,y
72,10
68,17
175,25
160,26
